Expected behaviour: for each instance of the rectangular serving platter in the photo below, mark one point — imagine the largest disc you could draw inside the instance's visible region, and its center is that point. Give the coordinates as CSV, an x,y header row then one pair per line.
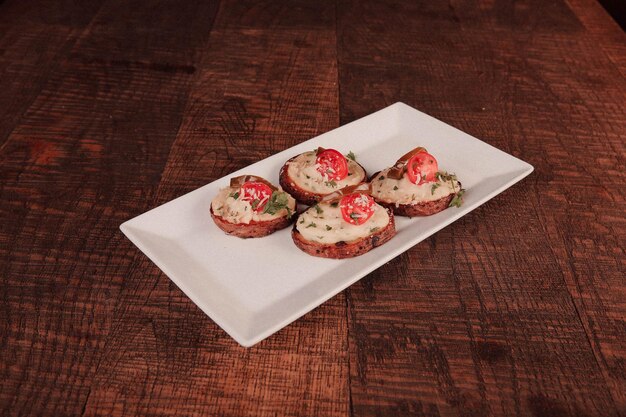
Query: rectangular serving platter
x,y
254,287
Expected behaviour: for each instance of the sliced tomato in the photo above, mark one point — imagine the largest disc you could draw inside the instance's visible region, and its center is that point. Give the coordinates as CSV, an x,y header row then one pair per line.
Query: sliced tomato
x,y
257,193
357,208
421,168
332,164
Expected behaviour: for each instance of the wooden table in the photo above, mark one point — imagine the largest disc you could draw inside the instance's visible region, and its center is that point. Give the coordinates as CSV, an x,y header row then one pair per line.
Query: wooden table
x,y
110,108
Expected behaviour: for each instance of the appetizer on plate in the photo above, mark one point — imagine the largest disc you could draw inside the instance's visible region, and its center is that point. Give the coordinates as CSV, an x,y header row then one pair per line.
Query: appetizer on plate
x,y
252,207
344,224
311,175
414,186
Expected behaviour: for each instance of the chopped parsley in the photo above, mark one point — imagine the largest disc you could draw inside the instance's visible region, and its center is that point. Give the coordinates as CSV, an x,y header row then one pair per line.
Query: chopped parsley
x,y
444,176
318,209
457,201
234,195
434,187
255,203
335,204
307,177
328,227
374,229
277,202
311,225
351,156
301,221
382,177
331,183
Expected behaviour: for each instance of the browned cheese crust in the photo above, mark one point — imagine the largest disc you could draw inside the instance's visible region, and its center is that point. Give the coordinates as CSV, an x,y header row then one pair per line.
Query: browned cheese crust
x,y
341,250
252,229
302,196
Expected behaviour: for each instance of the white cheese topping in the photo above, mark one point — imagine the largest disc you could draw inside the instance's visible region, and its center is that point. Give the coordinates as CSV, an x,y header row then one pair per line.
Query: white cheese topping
x,y
303,172
325,224
403,191
238,211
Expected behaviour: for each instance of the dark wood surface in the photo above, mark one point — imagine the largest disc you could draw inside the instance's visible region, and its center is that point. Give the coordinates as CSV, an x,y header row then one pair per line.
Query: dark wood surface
x,y
110,107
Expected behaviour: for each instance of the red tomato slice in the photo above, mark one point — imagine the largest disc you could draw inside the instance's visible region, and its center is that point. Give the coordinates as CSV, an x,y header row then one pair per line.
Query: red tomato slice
x,y
422,168
332,164
257,193
357,208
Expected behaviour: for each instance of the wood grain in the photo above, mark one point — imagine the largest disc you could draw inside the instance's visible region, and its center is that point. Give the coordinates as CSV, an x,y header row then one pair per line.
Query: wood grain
x,y
241,109
112,107
86,155
504,312
33,39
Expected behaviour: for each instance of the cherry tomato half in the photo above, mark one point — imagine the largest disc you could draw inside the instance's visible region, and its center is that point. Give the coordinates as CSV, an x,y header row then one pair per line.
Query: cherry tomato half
x,y
357,208
332,164
422,168
257,193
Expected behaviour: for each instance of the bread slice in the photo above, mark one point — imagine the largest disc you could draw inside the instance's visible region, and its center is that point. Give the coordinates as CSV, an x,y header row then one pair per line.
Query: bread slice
x,y
342,250
301,195
425,208
252,229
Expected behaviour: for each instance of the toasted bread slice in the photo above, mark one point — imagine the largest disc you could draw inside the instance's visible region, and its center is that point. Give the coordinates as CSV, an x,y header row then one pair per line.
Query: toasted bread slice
x,y
424,208
303,196
342,249
252,207
252,229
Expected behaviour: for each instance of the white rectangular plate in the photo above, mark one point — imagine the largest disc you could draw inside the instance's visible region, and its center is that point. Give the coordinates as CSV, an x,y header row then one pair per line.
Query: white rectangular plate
x,y
254,287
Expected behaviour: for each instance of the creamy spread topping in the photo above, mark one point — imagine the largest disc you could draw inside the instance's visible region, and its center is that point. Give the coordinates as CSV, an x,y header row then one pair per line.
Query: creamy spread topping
x,y
236,210
403,191
324,223
303,172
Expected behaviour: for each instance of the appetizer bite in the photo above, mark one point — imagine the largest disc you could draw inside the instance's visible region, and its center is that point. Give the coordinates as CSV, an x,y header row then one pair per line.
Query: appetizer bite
x,y
414,186
252,207
344,224
311,175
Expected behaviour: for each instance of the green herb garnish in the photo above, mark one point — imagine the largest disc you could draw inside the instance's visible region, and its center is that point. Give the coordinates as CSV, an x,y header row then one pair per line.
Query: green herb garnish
x,y
328,227
331,183
351,156
277,202
335,204
318,209
382,177
374,229
255,203
311,225
234,195
457,201
444,176
434,187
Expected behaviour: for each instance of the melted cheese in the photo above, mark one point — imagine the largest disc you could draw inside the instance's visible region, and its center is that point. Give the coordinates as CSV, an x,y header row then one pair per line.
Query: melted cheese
x,y
238,211
403,191
328,226
303,172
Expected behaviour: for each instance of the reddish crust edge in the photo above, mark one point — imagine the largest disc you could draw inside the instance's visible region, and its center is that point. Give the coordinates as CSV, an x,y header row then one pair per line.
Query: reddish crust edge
x,y
302,196
425,208
342,250
252,229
